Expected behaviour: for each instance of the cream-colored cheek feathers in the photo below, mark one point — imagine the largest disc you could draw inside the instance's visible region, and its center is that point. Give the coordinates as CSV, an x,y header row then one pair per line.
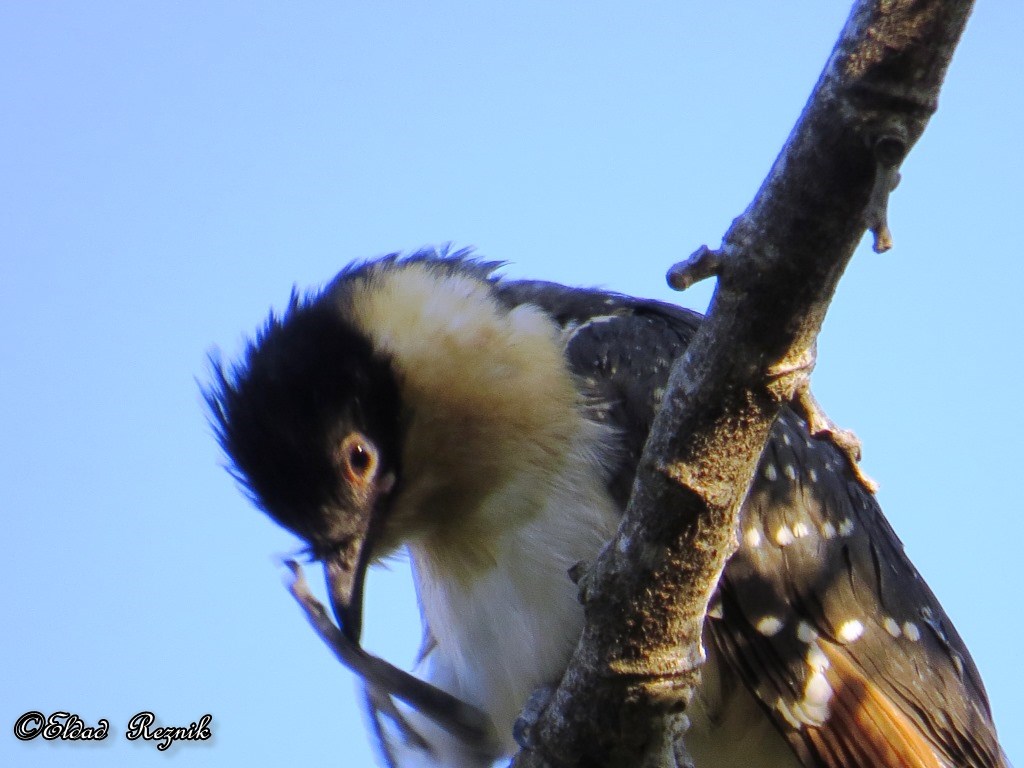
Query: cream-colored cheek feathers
x,y
503,482
494,413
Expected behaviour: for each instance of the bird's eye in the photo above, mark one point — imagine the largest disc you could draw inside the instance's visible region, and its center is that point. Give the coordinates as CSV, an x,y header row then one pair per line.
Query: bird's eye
x,y
358,459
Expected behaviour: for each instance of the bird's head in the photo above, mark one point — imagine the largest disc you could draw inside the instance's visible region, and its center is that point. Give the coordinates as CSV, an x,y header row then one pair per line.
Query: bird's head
x,y
310,420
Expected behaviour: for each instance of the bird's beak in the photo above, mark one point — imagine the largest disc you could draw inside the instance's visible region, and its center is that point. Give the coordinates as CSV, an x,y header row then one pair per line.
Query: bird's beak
x,y
346,564
345,572
345,567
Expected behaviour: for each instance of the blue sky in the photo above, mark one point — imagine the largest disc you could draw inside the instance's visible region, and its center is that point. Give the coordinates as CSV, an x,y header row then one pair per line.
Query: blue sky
x,y
169,171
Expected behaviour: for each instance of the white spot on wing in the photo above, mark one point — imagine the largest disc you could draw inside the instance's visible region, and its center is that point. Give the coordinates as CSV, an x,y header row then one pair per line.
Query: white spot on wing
x,y
817,690
801,529
783,536
790,471
913,634
892,626
752,537
770,473
816,658
812,709
850,630
806,633
769,626
846,527
828,530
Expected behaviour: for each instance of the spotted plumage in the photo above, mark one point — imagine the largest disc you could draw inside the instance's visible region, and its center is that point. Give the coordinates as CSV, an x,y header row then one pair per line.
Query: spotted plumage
x,y
516,413
818,581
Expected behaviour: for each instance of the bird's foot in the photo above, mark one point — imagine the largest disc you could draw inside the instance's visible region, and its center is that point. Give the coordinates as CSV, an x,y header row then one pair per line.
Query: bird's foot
x,y
820,425
524,730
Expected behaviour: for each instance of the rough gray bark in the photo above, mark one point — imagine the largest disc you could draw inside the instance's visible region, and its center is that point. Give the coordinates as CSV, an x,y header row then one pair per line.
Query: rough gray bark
x,y
646,596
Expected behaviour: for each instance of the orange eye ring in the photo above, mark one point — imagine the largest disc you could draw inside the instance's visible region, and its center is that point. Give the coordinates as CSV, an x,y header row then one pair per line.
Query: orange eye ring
x,y
358,459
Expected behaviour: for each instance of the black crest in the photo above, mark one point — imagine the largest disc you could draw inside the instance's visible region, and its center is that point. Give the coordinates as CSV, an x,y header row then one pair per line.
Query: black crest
x,y
307,379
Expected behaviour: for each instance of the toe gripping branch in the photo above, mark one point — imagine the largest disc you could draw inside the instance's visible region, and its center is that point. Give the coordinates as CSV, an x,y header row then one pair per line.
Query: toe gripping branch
x,y
704,263
820,425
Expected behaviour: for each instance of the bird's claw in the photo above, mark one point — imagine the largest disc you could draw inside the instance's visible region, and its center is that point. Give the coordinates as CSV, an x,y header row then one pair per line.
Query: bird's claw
x,y
820,425
524,730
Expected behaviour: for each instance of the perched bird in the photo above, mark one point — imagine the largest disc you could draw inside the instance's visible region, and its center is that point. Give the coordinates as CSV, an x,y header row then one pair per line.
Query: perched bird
x,y
493,427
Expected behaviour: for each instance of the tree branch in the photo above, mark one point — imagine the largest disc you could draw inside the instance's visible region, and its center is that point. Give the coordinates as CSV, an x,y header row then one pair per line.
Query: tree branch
x,y
646,596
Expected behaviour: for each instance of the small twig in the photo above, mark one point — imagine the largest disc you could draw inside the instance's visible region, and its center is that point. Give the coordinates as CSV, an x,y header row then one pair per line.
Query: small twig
x,y
702,264
889,149
876,215
462,720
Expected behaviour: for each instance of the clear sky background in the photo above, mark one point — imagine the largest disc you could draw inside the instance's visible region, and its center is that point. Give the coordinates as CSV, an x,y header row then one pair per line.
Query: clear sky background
x,y
168,172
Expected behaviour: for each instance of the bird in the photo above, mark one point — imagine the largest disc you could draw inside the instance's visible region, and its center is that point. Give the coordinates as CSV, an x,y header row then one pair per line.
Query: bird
x,y
492,428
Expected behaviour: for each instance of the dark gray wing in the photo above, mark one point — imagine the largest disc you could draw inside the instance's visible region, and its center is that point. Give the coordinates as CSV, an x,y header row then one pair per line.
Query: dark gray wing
x,y
820,613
